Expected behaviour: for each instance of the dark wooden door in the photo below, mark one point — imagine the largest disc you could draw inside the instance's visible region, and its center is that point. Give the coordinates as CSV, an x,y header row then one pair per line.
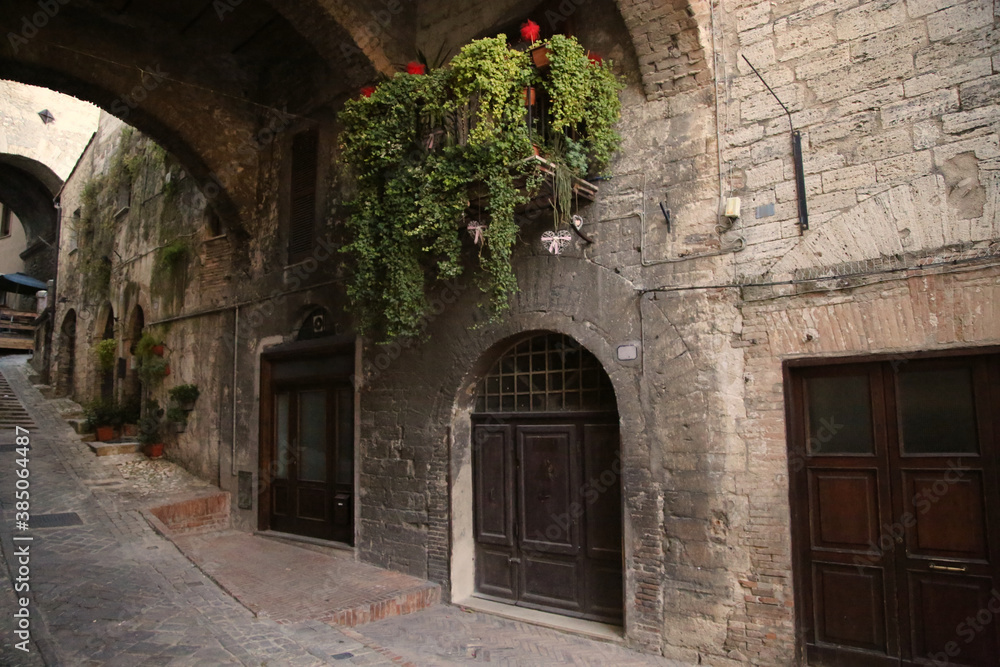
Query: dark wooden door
x,y
548,515
313,461
895,509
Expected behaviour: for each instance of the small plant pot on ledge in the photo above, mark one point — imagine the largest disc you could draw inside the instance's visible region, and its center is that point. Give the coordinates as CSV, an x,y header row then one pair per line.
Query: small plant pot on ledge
x,y
540,56
154,450
105,433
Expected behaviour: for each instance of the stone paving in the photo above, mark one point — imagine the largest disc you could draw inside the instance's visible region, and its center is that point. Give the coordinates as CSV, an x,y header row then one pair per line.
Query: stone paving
x,y
111,591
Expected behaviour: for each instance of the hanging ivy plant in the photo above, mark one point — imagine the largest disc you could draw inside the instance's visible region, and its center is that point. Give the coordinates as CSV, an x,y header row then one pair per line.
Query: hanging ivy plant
x,y
422,147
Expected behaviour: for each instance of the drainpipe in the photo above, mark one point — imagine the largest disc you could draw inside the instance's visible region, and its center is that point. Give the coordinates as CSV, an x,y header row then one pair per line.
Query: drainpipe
x,y
236,357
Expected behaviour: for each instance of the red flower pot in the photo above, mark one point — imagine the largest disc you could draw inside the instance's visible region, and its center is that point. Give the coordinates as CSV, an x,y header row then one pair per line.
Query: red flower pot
x,y
158,350
529,96
154,451
105,433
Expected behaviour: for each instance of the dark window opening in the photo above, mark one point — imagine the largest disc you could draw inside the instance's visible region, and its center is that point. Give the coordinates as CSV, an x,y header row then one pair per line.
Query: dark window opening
x,y
5,222
302,209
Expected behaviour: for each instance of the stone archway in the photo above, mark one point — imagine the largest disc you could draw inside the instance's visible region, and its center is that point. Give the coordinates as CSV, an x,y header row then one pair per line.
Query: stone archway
x,y
106,377
132,384
66,355
547,492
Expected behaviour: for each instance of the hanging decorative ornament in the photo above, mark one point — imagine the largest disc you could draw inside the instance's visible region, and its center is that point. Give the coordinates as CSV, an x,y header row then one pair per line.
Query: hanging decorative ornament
x,y
555,242
530,31
577,221
476,230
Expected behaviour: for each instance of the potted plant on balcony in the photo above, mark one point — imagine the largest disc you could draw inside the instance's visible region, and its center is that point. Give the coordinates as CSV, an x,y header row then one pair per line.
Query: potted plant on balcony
x,y
150,436
103,416
418,145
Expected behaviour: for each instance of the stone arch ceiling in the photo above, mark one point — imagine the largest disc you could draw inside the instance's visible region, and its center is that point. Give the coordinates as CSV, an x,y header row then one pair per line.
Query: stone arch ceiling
x,y
203,77
26,186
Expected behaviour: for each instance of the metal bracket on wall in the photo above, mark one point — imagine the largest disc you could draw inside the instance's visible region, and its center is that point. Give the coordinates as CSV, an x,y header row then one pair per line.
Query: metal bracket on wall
x,y
800,178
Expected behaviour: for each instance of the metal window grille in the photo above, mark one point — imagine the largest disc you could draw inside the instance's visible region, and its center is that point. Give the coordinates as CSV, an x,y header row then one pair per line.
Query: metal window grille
x,y
546,373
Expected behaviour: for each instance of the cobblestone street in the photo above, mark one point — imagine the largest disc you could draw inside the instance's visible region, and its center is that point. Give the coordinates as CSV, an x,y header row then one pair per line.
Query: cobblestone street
x,y
112,591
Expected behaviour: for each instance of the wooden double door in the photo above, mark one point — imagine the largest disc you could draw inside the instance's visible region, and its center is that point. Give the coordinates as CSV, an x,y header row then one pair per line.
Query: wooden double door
x,y
548,514
896,510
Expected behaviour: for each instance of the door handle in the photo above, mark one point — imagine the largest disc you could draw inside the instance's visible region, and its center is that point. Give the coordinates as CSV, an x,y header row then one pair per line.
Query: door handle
x,y
948,568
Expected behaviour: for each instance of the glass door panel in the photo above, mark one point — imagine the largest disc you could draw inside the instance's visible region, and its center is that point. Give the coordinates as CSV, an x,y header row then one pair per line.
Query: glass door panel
x,y
312,436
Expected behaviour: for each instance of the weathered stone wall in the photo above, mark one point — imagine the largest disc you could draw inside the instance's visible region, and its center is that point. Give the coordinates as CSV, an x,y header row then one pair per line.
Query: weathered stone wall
x,y
900,155
897,106
58,144
177,305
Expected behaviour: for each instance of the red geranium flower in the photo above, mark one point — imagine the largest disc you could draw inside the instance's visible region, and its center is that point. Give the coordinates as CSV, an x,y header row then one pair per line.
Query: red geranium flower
x,y
367,91
530,31
414,67
595,58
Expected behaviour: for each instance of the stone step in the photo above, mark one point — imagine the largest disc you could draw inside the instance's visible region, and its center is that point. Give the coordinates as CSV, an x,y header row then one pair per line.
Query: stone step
x,y
193,516
67,408
114,447
46,390
79,424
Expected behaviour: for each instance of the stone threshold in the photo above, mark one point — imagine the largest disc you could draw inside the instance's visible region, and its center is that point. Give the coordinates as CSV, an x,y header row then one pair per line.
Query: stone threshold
x,y
577,626
300,540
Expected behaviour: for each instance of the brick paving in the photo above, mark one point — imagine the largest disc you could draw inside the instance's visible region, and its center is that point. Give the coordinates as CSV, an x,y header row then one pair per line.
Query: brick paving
x,y
111,591
288,583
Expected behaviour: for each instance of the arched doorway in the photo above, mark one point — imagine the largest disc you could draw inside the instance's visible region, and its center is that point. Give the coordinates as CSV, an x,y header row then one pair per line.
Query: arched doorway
x,y
132,384
106,376
547,481
67,355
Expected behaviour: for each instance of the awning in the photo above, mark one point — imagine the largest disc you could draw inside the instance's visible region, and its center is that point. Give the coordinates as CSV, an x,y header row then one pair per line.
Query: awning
x,y
21,284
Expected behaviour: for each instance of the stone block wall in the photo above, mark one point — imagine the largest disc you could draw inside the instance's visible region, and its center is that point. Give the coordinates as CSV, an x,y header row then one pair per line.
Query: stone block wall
x,y
899,127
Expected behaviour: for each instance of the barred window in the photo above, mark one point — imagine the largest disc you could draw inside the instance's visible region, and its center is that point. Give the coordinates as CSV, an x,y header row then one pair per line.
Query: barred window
x,y
546,373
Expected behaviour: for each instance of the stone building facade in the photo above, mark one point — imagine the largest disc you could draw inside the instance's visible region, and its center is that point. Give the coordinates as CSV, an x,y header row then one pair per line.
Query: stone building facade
x,y
717,333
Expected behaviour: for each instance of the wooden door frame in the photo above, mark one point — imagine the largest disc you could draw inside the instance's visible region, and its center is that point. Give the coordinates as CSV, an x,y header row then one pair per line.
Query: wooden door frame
x,y
299,350
793,426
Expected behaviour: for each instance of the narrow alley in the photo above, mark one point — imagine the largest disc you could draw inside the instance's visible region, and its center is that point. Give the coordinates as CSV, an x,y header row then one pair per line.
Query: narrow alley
x,y
107,589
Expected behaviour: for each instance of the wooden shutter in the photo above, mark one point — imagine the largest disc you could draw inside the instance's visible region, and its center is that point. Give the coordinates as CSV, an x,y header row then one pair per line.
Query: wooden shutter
x,y
302,217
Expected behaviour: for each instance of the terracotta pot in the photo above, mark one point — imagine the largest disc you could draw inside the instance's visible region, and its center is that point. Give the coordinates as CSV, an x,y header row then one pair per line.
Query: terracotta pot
x,y
166,371
105,433
154,451
540,56
158,350
529,96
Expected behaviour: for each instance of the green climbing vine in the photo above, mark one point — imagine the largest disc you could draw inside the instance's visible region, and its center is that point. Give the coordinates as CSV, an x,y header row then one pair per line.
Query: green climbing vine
x,y
429,150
